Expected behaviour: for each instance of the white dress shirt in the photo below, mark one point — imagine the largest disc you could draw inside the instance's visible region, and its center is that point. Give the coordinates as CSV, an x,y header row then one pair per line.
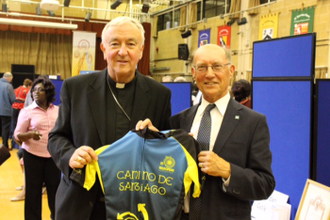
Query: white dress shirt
x,y
217,114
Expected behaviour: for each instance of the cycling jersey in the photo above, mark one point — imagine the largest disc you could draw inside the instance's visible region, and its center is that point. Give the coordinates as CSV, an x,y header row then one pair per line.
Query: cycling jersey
x,y
146,174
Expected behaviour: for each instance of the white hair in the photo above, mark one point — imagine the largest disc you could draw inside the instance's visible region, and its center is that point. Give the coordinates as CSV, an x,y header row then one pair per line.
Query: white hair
x,y
180,79
122,20
7,75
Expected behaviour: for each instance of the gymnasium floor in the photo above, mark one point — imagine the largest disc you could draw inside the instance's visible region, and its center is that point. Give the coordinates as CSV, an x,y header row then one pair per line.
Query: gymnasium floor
x,y
11,177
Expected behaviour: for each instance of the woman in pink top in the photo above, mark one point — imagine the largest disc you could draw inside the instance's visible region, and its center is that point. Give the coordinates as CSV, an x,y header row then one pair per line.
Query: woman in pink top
x,y
33,126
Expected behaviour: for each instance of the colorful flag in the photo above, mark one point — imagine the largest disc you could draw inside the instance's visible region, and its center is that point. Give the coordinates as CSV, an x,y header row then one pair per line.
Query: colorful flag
x,y
268,26
302,21
224,34
204,37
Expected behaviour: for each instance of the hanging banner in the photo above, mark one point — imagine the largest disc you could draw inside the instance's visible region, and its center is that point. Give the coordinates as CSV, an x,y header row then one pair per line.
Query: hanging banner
x,y
204,37
224,34
268,26
83,53
302,21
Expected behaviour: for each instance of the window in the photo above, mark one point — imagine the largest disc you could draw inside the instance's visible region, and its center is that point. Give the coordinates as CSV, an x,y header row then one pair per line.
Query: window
x,y
160,23
165,21
266,1
211,8
176,17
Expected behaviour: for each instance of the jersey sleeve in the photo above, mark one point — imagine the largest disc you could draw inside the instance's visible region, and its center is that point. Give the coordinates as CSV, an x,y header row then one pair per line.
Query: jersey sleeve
x,y
191,175
92,169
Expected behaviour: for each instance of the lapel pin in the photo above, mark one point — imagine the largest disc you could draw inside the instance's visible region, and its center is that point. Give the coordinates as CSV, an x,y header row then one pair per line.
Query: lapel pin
x,y
236,117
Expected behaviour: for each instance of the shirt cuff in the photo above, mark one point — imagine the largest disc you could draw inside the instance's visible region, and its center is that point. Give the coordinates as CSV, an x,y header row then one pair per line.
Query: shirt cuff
x,y
225,183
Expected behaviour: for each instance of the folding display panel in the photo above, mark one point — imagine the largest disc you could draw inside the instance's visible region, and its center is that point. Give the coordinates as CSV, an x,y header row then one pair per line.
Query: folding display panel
x,y
287,106
181,95
282,89
322,131
58,85
284,57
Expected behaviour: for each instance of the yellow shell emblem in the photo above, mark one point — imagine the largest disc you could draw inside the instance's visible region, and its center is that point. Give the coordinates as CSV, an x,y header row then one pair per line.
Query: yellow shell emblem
x,y
169,162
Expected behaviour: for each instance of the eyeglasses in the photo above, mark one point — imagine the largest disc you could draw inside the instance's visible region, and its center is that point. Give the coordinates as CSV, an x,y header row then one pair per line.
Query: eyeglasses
x,y
202,68
38,90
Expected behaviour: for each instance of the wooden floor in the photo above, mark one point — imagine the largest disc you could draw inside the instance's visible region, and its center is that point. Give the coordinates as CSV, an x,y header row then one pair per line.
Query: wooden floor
x,y
11,177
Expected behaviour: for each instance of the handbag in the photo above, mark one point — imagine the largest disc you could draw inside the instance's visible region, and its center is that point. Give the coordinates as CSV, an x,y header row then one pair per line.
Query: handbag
x,y
4,154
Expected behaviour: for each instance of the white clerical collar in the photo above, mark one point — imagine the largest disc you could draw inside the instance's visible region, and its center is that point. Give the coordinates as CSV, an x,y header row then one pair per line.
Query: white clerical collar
x,y
120,85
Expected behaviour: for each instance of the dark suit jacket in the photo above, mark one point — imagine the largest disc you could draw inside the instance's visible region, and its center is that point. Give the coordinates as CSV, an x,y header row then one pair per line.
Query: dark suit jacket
x,y
243,141
81,121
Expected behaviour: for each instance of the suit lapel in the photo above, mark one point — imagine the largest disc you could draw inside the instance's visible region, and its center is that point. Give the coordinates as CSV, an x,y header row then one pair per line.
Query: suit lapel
x,y
141,100
229,123
186,122
96,97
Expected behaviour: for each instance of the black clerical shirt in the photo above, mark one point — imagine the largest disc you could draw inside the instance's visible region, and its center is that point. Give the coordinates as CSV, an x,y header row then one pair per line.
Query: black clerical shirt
x,y
117,122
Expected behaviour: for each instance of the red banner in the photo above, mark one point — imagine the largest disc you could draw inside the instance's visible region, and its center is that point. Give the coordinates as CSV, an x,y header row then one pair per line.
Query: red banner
x,y
224,34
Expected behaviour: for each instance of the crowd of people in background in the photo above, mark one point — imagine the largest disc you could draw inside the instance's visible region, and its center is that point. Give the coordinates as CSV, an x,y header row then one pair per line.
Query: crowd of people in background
x,y
33,126
28,116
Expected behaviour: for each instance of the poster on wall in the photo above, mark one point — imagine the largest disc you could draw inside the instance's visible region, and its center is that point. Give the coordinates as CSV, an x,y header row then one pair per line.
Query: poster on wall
x,y
302,21
83,51
224,34
204,37
268,26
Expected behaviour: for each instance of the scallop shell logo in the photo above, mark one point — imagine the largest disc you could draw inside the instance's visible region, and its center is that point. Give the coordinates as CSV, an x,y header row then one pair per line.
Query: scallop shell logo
x,y
169,162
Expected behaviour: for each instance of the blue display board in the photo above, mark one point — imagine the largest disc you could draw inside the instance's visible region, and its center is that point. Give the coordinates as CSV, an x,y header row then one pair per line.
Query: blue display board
x,y
82,72
287,106
284,57
322,131
283,90
181,95
58,85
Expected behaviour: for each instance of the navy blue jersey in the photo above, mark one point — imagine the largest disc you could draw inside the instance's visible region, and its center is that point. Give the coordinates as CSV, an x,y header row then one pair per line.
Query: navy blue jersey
x,y
146,174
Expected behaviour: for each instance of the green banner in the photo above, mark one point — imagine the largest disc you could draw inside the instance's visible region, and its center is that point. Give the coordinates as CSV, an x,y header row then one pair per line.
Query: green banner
x,y
302,21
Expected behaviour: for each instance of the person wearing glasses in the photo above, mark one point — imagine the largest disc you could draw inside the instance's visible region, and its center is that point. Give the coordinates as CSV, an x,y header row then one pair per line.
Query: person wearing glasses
x,y
99,108
236,162
33,126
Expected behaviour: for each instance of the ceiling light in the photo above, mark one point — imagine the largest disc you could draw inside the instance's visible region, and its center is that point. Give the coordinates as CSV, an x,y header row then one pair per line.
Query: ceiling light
x,y
50,5
116,4
4,7
145,7
66,3
20,22
88,16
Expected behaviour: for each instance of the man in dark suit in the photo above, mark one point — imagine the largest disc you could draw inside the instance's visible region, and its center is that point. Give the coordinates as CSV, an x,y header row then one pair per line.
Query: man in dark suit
x,y
237,162
98,109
